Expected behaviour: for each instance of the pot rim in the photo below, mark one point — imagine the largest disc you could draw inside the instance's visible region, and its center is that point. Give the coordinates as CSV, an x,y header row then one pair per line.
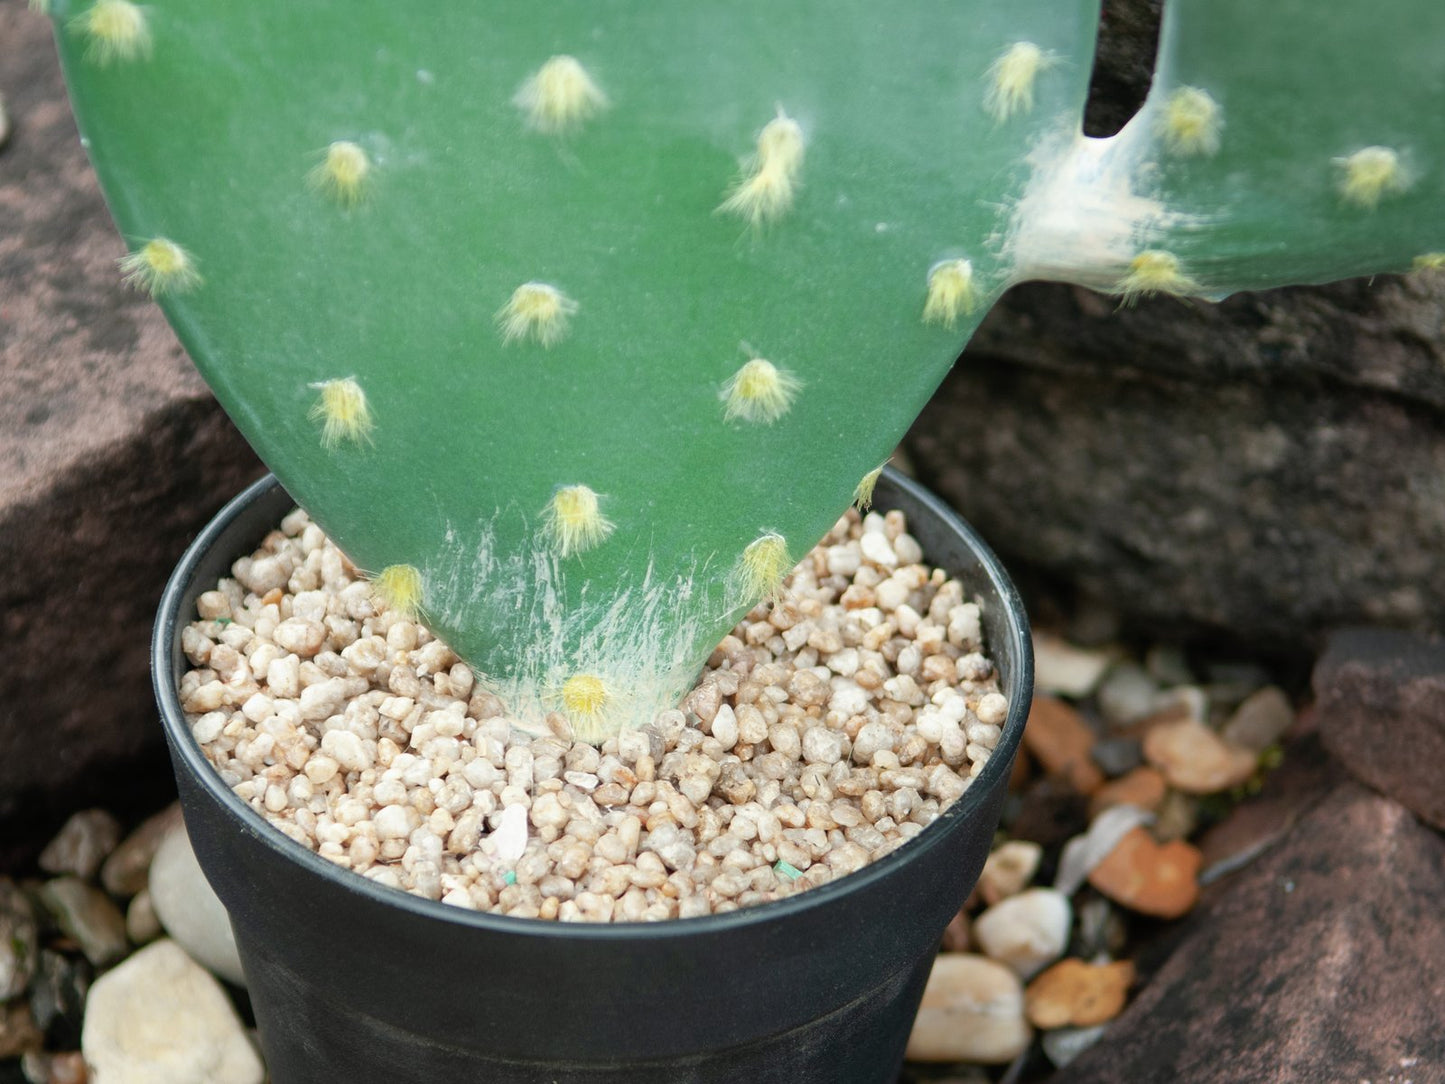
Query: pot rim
x,y
169,621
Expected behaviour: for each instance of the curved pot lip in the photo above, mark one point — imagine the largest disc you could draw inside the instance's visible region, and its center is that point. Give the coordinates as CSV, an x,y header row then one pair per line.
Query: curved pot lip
x,y
1020,687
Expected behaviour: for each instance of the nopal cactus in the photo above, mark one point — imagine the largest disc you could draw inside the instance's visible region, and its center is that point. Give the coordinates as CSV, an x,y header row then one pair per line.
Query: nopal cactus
x,y
576,323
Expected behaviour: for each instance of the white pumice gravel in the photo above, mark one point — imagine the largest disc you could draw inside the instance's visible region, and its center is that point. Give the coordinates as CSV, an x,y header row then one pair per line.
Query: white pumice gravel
x,y
827,729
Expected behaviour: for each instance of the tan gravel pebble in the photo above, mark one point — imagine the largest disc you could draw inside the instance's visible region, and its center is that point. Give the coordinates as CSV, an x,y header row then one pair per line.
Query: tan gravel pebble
x,y
1196,760
826,731
972,1010
1066,669
82,844
1148,877
126,870
1060,740
1026,932
1074,993
1009,869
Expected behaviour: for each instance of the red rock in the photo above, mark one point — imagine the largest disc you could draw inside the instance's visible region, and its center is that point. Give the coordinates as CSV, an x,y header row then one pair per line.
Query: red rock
x,y
1380,704
1143,787
1074,993
1306,776
112,454
1060,740
1325,961
1148,877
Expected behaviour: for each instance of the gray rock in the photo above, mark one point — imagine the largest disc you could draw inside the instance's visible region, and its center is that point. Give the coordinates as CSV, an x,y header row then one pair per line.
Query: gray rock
x,y
1260,721
19,937
1117,756
1265,467
125,872
82,844
189,909
1127,695
159,1018
57,997
1168,666
87,915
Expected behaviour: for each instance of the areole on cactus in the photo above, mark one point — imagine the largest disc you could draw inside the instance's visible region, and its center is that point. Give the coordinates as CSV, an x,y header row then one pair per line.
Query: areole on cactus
x,y
572,322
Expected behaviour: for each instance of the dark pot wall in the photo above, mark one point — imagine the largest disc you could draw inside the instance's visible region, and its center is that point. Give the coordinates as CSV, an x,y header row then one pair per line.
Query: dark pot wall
x,y
354,981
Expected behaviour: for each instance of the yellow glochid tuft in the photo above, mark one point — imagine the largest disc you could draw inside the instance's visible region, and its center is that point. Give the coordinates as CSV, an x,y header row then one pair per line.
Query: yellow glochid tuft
x,y
1428,261
1154,272
343,411
160,266
342,175
584,699
573,521
1011,80
1370,174
762,567
399,589
559,96
759,392
117,29
863,492
1190,122
536,311
952,293
770,182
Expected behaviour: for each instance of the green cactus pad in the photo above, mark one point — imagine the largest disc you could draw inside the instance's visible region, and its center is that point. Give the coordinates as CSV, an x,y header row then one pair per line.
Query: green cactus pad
x,y
491,318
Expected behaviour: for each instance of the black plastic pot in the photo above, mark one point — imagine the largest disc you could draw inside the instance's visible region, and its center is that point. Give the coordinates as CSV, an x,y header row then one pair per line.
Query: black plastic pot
x,y
357,983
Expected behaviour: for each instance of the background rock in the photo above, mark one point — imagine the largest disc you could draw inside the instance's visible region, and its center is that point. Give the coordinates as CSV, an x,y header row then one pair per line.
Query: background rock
x,y
1324,961
112,454
1380,708
1266,467
159,1018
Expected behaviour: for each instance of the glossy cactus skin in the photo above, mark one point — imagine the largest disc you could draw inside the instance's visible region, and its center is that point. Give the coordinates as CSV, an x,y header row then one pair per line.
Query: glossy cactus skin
x,y
550,245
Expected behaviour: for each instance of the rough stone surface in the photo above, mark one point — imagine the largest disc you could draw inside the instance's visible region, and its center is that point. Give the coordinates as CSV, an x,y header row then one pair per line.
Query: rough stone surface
x,y
1264,467
112,454
189,909
1352,993
1306,776
1380,706
159,1018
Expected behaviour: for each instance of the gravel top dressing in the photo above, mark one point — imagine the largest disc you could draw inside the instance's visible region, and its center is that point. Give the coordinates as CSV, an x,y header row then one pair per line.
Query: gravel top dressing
x,y
826,730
